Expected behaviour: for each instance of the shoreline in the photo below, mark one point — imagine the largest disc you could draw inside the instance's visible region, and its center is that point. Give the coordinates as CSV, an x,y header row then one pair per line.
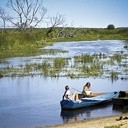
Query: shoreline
x,y
101,122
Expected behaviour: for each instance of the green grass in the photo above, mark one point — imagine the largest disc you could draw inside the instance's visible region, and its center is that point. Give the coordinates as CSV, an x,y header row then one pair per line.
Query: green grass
x,y
15,43
113,126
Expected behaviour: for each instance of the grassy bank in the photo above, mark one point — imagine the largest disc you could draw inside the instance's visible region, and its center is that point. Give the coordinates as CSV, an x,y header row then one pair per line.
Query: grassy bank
x,y
14,43
18,43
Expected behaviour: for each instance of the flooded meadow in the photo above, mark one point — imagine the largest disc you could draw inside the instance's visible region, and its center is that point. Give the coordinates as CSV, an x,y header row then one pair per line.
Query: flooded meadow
x,y
105,59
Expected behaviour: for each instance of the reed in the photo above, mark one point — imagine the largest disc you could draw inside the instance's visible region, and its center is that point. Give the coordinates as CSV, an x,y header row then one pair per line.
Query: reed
x,y
92,70
114,75
83,65
52,51
84,58
44,67
59,63
117,57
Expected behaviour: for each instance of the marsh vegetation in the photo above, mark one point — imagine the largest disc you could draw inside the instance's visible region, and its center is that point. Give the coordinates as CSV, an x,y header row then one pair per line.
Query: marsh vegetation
x,y
15,43
33,42
54,63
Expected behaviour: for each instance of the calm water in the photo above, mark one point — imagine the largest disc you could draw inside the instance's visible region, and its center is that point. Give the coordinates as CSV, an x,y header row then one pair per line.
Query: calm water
x,y
27,102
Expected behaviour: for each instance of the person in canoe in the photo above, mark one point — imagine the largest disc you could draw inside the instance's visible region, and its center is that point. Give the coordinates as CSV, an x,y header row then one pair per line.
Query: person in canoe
x,y
67,95
86,90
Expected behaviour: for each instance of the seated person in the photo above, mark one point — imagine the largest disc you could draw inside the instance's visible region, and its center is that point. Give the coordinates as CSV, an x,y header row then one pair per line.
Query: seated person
x,y
86,90
67,95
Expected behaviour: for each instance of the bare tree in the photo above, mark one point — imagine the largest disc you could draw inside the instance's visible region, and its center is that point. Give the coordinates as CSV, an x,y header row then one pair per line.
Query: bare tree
x,y
66,32
54,22
3,16
27,13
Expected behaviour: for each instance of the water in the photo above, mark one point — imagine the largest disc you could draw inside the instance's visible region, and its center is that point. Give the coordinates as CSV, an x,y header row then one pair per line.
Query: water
x,y
108,47
27,102
89,47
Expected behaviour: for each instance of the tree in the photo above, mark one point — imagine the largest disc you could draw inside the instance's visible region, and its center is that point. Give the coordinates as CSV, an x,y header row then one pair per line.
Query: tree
x,y
54,22
110,27
27,13
3,16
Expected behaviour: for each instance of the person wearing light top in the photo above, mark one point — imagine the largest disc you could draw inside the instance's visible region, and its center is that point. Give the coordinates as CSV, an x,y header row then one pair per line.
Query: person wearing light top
x,y
86,90
67,95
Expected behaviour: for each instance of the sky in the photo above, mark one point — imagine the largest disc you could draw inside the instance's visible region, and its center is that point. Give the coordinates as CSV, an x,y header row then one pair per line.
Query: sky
x,y
89,13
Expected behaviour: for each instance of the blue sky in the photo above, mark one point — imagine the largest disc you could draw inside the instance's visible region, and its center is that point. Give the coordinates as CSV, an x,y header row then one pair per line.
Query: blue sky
x,y
89,13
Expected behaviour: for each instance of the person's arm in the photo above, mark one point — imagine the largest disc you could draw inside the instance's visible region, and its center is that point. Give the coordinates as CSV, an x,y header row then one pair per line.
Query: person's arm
x,y
64,95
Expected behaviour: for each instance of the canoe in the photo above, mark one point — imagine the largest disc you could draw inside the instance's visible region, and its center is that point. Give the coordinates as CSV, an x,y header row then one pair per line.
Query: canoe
x,y
88,101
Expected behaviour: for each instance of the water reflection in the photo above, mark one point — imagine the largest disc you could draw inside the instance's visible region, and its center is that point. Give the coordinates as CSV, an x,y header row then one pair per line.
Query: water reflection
x,y
87,113
75,115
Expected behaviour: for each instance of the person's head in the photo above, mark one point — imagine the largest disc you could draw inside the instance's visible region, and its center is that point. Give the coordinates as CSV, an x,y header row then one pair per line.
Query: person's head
x,y
88,84
66,87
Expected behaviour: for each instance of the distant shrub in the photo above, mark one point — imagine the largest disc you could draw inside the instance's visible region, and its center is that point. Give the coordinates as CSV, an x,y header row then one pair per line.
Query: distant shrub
x,y
110,27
